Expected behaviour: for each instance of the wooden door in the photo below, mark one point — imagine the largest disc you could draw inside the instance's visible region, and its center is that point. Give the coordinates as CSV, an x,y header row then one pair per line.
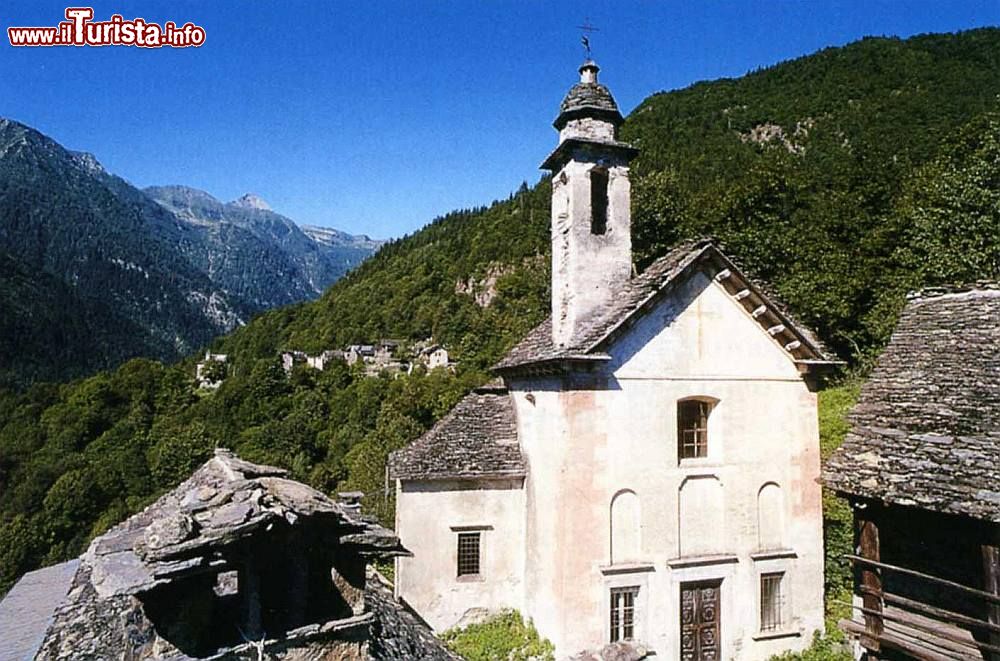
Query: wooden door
x,y
700,621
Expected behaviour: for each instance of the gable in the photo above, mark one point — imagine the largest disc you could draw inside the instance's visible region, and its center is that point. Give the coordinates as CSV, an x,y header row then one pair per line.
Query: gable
x,y
698,329
538,353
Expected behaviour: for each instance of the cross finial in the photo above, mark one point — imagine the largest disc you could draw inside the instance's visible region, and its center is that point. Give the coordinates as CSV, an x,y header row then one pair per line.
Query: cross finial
x,y
585,39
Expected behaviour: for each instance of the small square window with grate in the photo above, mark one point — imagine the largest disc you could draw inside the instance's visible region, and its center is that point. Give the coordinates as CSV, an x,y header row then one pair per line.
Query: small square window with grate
x,y
468,553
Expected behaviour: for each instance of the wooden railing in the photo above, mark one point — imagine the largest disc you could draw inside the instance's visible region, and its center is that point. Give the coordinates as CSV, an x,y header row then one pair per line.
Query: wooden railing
x,y
918,629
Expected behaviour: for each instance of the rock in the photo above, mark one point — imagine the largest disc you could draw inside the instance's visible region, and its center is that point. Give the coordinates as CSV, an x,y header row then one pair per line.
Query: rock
x,y
231,515
169,531
626,650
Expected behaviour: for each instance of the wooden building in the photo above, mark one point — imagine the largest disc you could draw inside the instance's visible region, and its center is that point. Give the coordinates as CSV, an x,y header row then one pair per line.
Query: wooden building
x,y
921,468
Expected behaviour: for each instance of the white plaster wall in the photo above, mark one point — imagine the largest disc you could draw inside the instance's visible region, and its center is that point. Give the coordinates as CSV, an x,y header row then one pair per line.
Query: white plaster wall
x,y
586,266
584,443
426,514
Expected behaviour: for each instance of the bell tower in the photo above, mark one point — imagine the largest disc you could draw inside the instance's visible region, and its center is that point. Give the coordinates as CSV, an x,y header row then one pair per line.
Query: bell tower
x,y
591,222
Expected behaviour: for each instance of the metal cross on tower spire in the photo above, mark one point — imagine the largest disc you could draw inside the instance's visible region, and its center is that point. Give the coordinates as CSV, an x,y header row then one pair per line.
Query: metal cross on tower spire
x,y
587,30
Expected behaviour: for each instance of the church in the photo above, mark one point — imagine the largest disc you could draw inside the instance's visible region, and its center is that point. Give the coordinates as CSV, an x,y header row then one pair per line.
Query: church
x,y
644,468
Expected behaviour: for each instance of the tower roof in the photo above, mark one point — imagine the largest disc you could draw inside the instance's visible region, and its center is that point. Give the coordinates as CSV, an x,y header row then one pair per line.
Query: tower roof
x,y
588,98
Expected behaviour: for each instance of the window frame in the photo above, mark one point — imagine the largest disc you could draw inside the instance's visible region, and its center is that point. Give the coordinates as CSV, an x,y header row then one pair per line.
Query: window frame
x,y
461,535
772,613
623,613
701,444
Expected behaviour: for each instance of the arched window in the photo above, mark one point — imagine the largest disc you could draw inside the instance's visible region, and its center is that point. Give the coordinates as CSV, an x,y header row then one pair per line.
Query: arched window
x,y
626,537
598,201
692,427
770,517
702,519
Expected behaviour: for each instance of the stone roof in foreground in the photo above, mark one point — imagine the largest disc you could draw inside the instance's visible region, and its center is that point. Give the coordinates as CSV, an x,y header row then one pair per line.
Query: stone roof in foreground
x,y
226,500
478,438
94,607
89,627
926,429
537,351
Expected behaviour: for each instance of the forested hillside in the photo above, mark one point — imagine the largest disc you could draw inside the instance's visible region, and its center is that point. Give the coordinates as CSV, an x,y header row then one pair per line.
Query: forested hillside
x,y
844,179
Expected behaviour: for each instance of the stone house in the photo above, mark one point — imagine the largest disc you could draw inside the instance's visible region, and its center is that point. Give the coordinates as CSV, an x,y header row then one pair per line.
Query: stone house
x,y
921,469
645,466
238,562
362,352
321,360
434,356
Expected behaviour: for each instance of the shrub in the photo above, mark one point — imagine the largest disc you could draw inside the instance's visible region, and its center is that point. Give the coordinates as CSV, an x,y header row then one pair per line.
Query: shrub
x,y
502,637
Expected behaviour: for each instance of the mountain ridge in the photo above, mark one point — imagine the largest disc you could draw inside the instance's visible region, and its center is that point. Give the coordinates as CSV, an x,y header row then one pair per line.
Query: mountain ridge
x,y
176,283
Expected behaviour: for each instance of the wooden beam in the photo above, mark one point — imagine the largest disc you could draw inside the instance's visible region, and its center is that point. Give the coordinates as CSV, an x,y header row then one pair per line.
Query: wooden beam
x,y
927,631
986,596
939,613
915,651
991,584
866,541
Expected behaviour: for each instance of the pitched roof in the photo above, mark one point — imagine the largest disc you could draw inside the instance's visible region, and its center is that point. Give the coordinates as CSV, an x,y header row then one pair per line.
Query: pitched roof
x,y
926,429
27,611
588,99
538,351
478,438
91,627
91,607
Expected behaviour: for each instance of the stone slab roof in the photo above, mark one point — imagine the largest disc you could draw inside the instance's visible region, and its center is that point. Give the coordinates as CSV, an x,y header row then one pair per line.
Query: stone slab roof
x,y
225,500
398,633
538,350
926,429
92,608
478,438
27,611
90,627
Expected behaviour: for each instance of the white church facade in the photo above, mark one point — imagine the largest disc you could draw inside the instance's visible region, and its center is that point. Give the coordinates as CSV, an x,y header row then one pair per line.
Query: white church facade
x,y
645,466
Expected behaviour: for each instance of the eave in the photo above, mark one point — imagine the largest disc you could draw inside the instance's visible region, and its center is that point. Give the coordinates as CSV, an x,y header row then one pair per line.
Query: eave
x,y
556,365
457,476
564,152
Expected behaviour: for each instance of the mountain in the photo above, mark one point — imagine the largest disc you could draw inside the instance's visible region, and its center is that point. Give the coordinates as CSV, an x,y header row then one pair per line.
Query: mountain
x,y
260,256
59,217
844,178
146,275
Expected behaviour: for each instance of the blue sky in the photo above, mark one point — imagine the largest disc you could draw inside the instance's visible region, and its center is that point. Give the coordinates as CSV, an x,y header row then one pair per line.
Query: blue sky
x,y
376,117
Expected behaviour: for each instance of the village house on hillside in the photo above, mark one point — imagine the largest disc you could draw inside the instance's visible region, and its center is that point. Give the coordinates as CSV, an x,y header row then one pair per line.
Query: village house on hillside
x,y
645,467
921,468
238,562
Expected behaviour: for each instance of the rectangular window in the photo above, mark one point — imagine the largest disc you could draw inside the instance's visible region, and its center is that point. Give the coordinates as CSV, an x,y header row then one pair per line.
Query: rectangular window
x,y
623,605
771,602
468,553
692,428
598,201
